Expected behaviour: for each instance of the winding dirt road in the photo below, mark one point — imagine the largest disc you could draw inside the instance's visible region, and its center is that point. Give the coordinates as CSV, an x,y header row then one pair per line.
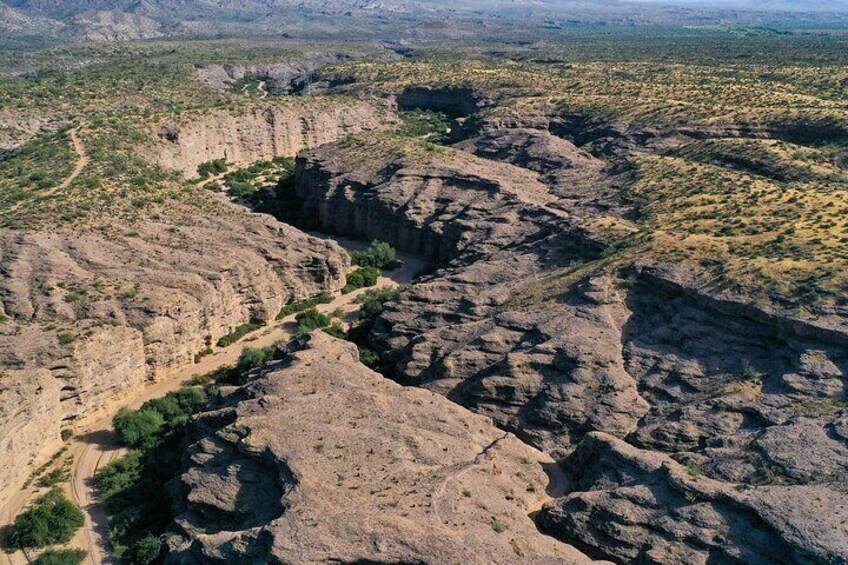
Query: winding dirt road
x,y
94,445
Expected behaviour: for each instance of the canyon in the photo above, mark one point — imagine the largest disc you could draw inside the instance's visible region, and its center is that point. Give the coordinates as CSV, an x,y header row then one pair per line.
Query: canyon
x,y
570,376
122,310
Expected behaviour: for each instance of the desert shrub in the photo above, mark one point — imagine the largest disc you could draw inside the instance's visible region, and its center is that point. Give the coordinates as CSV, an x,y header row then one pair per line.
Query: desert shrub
x,y
361,278
373,301
144,551
379,255
176,405
310,320
61,557
302,305
66,338
368,357
239,333
53,519
137,427
253,357
336,330
211,168
240,190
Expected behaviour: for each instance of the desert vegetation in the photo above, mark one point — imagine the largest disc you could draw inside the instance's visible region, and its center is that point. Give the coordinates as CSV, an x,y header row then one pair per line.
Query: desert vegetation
x,y
133,487
53,519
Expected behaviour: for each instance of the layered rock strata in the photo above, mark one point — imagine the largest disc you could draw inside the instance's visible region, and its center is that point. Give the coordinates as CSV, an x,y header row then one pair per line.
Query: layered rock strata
x,y
515,325
104,315
106,311
261,132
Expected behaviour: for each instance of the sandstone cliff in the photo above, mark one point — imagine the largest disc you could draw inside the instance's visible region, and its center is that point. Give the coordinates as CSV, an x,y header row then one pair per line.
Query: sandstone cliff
x,y
317,459
105,314
104,311
261,132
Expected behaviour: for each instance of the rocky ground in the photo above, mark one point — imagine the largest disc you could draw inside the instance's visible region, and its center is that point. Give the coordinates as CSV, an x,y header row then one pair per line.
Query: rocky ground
x,y
697,428
317,459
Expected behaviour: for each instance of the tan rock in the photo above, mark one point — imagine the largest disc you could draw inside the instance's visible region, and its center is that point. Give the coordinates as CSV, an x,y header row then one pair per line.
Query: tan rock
x,y
319,459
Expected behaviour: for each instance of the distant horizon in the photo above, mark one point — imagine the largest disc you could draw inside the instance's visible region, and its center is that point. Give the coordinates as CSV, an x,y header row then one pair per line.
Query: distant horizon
x,y
761,5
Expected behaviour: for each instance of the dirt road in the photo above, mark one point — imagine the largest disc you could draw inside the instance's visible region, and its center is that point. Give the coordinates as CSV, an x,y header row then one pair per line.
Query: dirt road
x,y
82,161
94,445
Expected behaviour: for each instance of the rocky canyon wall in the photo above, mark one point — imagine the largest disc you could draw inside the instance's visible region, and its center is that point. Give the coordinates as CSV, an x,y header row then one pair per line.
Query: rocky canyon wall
x,y
696,428
103,313
262,132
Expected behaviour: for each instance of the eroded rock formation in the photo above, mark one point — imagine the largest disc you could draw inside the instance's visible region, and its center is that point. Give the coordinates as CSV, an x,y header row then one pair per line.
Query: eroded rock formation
x,y
261,132
108,310
317,459
104,315
748,399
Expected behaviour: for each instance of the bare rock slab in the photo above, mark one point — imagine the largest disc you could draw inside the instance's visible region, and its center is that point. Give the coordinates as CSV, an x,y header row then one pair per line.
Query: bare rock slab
x,y
355,468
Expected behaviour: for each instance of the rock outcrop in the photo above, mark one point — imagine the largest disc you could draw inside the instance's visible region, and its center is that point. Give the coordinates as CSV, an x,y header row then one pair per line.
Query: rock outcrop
x,y
517,326
641,506
30,419
285,77
107,314
317,459
114,25
261,132
443,204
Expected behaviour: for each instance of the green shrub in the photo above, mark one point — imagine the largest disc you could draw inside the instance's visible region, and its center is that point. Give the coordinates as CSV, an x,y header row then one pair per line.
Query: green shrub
x,y
144,551
53,519
336,330
379,255
373,301
66,338
62,557
361,278
212,168
296,307
136,428
310,320
239,333
176,405
368,357
253,357
240,190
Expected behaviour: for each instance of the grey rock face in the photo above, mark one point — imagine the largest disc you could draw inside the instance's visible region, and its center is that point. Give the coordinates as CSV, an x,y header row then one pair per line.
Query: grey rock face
x,y
320,460
641,506
750,401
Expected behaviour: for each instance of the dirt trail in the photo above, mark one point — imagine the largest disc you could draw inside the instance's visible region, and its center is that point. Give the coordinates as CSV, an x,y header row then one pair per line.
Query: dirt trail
x,y
82,161
94,445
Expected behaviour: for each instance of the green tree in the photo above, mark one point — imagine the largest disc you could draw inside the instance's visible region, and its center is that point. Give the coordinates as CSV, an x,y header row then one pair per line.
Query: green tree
x,y
144,551
253,357
361,278
310,320
53,519
379,255
61,557
136,428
